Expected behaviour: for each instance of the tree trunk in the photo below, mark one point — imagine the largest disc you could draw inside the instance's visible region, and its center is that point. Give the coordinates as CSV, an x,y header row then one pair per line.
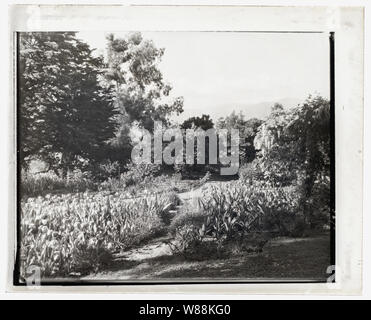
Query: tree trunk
x,y
65,165
307,194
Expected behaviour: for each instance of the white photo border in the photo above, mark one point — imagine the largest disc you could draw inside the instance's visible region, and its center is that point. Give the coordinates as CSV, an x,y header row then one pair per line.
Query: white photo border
x,y
347,23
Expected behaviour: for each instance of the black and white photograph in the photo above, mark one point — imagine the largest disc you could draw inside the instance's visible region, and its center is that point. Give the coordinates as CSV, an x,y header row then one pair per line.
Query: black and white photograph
x,y
184,151
175,157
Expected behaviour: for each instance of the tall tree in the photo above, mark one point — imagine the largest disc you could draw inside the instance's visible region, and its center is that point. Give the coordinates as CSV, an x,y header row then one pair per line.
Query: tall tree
x,y
66,115
141,94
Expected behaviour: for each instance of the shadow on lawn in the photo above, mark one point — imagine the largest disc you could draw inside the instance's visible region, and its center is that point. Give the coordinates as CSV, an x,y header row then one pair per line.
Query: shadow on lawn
x,y
281,259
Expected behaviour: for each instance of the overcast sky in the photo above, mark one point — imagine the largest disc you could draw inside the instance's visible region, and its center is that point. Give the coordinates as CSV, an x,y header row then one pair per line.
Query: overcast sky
x,y
218,72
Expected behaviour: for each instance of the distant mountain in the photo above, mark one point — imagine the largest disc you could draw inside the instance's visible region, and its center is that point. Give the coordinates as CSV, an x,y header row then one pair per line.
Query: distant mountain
x,y
262,109
254,110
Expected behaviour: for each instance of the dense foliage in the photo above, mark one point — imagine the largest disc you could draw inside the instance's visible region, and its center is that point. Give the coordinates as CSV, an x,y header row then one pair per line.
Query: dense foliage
x,y
80,232
66,114
248,130
141,94
295,150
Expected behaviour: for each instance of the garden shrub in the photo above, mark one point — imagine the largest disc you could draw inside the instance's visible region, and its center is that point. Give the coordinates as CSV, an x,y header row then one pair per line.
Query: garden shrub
x,y
187,216
250,173
194,244
36,184
79,181
108,169
187,239
138,173
281,209
147,186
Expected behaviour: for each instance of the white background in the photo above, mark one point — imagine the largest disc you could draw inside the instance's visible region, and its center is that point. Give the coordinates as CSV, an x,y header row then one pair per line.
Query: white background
x,y
5,149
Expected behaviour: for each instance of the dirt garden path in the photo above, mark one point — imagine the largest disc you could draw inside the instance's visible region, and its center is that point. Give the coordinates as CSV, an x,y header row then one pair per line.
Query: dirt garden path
x,y
158,247
194,194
